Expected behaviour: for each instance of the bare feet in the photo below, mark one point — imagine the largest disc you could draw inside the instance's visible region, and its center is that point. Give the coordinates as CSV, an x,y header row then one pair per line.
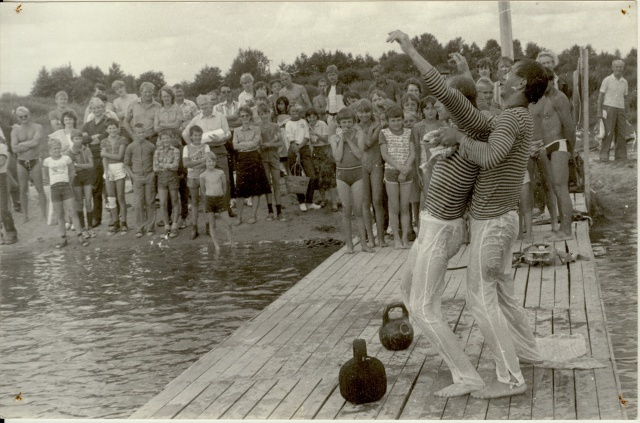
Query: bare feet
x,y
455,390
349,248
383,243
558,236
498,390
398,245
366,248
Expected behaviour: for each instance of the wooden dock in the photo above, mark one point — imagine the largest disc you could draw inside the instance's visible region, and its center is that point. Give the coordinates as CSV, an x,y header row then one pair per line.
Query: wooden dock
x,y
284,363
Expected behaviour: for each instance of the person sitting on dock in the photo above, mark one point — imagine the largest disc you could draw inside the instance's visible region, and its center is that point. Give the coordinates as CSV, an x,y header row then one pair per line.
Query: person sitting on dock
x,y
500,150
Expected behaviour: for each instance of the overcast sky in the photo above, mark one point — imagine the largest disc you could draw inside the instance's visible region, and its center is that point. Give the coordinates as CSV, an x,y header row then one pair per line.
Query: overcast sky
x,y
180,38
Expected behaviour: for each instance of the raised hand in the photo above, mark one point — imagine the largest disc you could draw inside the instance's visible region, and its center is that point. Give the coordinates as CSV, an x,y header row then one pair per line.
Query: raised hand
x,y
401,38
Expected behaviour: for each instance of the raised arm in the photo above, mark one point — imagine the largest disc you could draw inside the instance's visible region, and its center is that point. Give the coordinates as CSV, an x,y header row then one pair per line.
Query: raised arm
x,y
462,112
337,147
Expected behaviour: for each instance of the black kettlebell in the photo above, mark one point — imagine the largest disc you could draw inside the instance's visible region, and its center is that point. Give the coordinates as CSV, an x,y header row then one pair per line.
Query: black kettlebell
x,y
362,378
396,334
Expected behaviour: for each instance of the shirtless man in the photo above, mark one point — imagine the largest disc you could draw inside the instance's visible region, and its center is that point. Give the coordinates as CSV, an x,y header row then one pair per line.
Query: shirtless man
x,y
539,161
294,92
25,142
559,135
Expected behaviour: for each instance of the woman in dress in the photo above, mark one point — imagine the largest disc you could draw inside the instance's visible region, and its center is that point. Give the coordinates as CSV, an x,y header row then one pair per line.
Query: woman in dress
x,y
251,179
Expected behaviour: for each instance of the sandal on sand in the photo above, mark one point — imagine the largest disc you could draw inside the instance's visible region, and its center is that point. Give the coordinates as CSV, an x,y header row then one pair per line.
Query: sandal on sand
x,y
238,222
251,221
62,243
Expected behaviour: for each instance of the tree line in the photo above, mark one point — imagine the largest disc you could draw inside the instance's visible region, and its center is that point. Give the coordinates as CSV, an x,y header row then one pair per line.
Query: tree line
x,y
354,70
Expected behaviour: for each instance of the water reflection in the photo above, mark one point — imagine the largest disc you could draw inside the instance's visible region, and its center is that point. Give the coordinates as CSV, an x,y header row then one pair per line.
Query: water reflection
x,y
615,245
98,333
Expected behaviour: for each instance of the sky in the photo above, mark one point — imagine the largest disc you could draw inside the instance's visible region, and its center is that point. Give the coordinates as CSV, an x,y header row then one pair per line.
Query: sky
x,y
180,38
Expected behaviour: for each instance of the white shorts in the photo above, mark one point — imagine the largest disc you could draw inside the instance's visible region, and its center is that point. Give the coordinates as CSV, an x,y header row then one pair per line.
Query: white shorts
x,y
116,172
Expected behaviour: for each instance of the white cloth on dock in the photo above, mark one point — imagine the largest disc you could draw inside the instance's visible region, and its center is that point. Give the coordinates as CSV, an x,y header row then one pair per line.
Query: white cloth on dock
x,y
560,351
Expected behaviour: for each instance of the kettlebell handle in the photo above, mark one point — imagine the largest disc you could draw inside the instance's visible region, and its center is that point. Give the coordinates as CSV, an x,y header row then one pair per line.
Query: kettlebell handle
x,y
389,307
359,350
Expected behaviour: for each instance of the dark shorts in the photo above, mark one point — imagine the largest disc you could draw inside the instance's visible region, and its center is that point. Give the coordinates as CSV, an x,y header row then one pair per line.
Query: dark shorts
x,y
391,175
168,180
215,205
61,191
349,176
83,178
28,164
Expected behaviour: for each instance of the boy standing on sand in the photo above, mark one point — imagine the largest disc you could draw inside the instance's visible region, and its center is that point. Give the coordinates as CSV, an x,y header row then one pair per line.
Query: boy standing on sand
x,y
213,184
138,163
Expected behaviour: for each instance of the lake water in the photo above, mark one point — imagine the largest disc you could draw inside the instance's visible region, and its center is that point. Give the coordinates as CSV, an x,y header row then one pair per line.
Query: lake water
x,y
98,333
76,341
615,247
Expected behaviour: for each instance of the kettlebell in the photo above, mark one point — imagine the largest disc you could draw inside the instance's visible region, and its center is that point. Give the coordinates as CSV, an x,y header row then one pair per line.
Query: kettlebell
x,y
396,334
362,378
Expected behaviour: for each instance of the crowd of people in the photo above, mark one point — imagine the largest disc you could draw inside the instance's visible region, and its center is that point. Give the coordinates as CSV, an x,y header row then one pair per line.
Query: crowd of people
x,y
432,159
371,155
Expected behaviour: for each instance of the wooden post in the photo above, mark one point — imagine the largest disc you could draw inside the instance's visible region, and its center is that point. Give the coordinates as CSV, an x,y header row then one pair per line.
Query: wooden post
x,y
506,39
584,60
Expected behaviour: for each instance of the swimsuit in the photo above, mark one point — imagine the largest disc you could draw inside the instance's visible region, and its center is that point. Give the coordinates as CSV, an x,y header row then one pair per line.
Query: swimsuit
x,y
557,145
349,175
28,164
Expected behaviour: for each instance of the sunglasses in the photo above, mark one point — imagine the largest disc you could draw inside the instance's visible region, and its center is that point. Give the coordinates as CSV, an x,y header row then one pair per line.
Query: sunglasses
x,y
244,115
225,92
23,116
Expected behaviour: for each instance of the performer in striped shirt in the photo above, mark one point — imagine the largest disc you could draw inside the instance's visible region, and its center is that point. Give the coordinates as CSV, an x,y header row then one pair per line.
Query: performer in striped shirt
x,y
502,161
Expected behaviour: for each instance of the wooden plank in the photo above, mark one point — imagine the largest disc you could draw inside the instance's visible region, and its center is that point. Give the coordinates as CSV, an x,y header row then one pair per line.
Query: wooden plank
x,y
243,405
520,280
561,299
222,403
564,394
547,283
477,408
316,399
202,401
521,405
300,324
543,378
608,403
534,283
292,403
272,399
585,382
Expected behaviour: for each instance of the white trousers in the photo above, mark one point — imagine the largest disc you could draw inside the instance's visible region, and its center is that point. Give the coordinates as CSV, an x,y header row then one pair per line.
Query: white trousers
x,y
422,287
490,296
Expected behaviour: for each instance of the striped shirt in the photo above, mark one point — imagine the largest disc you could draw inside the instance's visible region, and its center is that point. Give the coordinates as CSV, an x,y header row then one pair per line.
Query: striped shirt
x,y
453,178
502,161
498,145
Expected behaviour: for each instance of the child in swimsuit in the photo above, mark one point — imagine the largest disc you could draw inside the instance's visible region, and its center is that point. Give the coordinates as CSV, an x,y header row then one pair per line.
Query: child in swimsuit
x,y
347,151
213,186
112,152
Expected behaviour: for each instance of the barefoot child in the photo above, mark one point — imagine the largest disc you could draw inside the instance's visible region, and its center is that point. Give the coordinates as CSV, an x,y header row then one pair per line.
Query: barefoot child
x,y
213,186
138,163
372,172
193,157
165,163
112,153
83,181
270,150
347,151
398,153
61,172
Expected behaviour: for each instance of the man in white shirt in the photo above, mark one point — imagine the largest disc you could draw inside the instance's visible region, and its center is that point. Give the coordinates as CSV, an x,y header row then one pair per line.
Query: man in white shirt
x,y
613,105
189,108
211,120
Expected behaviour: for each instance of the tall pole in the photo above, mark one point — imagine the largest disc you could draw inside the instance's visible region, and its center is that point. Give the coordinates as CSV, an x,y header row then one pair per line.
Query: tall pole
x,y
506,38
584,59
